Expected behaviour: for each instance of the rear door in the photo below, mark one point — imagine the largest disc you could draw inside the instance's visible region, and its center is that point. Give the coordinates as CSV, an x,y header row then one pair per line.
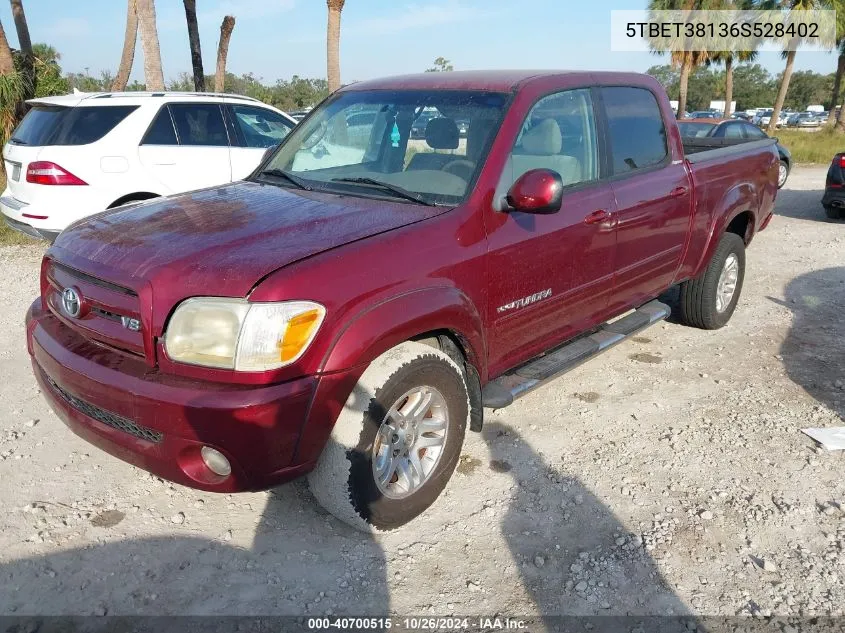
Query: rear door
x,y
254,130
653,195
187,147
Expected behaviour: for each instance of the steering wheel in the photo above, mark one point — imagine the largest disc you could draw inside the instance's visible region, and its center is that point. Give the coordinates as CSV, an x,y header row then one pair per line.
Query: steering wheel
x,y
460,167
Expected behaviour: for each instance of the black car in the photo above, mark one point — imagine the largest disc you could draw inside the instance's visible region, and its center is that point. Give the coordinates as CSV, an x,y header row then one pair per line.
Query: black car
x,y
833,200
736,130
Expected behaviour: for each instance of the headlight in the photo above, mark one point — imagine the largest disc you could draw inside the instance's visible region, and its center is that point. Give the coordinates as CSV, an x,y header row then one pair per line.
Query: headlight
x,y
236,334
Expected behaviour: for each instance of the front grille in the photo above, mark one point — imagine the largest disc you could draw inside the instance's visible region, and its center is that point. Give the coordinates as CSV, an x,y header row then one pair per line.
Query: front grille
x,y
94,280
106,417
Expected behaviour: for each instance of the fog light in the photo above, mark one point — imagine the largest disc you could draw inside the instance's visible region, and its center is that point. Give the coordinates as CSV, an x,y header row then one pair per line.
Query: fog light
x,y
216,461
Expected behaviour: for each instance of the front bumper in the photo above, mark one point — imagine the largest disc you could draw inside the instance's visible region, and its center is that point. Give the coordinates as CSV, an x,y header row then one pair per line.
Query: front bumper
x,y
160,422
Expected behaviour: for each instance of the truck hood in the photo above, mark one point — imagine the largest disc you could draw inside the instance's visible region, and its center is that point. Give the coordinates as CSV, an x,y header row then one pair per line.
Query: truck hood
x,y
222,241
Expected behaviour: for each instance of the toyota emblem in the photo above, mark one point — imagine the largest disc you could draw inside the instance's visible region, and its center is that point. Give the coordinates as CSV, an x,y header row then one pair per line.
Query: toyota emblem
x,y
72,302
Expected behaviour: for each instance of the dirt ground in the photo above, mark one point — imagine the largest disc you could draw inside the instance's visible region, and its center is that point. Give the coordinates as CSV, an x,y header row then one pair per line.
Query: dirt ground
x,y
668,476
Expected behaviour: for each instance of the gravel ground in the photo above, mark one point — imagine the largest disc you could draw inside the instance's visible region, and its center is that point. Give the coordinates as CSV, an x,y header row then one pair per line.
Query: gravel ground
x,y
668,476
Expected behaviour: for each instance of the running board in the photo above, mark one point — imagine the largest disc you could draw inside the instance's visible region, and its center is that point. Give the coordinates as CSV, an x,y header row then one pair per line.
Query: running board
x,y
502,391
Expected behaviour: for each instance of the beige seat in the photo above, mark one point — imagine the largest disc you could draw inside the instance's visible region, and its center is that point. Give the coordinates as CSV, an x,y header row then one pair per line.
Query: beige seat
x,y
540,149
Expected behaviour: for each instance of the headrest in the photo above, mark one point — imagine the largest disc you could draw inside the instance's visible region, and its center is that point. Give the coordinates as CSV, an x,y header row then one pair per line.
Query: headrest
x,y
442,133
543,139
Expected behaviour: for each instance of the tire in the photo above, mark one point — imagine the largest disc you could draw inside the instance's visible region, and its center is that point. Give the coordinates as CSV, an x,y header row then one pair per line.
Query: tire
x,y
344,480
699,300
783,173
832,213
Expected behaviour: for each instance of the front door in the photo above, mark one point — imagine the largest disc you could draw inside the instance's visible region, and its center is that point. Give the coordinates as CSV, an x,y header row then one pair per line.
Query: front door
x,y
550,275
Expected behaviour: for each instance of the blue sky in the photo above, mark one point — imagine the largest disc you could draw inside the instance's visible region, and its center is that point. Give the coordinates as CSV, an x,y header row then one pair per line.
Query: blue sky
x,y
279,38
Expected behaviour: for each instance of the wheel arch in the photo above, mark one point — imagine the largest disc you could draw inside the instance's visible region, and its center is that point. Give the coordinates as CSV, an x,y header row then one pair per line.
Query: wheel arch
x,y
442,317
137,196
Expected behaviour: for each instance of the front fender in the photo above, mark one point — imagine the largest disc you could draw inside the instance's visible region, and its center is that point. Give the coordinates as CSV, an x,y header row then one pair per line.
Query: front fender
x,y
392,321
372,332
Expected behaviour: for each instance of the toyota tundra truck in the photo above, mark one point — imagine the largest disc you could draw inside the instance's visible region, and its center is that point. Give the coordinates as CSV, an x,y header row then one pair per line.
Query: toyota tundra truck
x,y
350,309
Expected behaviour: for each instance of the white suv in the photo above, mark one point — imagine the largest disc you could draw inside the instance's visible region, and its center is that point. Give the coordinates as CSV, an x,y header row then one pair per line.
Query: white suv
x,y
76,155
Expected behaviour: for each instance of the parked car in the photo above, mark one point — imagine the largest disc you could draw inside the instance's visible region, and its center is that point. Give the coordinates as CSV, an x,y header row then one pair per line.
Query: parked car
x,y
76,155
704,114
763,117
350,321
298,115
833,199
804,119
741,116
733,131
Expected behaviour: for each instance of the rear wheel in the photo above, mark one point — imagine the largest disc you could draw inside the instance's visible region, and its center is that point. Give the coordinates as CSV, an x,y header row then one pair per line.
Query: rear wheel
x,y
709,301
396,442
783,173
832,212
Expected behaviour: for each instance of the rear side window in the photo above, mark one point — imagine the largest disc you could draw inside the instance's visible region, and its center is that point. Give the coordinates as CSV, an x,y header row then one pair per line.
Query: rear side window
x,y
60,125
635,126
199,124
161,132
753,132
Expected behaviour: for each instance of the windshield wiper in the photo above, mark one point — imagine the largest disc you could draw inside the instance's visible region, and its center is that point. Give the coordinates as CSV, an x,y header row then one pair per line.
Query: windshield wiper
x,y
394,189
281,173
18,141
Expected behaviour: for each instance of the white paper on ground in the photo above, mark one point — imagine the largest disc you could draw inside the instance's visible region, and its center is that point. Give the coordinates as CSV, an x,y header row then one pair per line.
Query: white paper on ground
x,y
832,437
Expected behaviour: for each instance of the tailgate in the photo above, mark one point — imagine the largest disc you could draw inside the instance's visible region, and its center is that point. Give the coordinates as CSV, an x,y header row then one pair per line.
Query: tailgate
x,y
16,158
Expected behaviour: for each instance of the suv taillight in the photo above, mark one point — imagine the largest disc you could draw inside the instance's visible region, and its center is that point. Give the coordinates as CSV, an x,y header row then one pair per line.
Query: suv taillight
x,y
44,172
840,160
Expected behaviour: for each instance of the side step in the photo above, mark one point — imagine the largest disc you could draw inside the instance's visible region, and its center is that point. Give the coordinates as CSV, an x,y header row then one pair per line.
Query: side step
x,y
502,391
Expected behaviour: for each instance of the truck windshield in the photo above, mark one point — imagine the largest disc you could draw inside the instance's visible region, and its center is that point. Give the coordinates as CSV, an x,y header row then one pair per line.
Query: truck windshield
x,y
410,145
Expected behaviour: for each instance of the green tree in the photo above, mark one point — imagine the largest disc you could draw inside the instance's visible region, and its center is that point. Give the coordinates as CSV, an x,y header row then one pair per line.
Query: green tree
x,y
753,87
49,80
789,55
807,88
441,65
685,61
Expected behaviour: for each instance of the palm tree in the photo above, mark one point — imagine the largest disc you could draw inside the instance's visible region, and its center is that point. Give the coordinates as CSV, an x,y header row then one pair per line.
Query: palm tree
x,y
153,75
792,5
194,41
7,62
127,58
333,43
226,28
26,48
840,62
728,58
687,61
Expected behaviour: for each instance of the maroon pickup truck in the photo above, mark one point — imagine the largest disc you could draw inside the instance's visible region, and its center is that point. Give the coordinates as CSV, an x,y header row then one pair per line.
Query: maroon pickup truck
x,y
352,307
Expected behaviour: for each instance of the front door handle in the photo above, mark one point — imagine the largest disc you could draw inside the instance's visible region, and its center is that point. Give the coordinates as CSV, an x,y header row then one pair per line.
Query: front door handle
x,y
677,192
597,217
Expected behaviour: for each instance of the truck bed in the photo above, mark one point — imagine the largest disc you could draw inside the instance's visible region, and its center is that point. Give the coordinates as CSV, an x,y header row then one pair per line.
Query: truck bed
x,y
704,149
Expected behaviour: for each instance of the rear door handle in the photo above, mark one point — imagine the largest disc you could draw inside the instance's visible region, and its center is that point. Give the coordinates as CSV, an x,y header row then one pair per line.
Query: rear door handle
x,y
677,192
597,217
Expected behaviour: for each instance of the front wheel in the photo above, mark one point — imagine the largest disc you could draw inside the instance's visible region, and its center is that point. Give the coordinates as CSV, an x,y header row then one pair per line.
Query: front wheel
x,y
397,440
709,300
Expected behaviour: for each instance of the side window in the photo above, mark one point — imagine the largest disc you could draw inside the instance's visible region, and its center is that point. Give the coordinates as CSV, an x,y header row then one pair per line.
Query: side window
x,y
559,133
161,132
730,130
260,127
754,132
199,124
635,126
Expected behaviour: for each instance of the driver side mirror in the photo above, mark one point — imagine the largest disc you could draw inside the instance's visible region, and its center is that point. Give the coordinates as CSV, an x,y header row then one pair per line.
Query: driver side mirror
x,y
536,191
